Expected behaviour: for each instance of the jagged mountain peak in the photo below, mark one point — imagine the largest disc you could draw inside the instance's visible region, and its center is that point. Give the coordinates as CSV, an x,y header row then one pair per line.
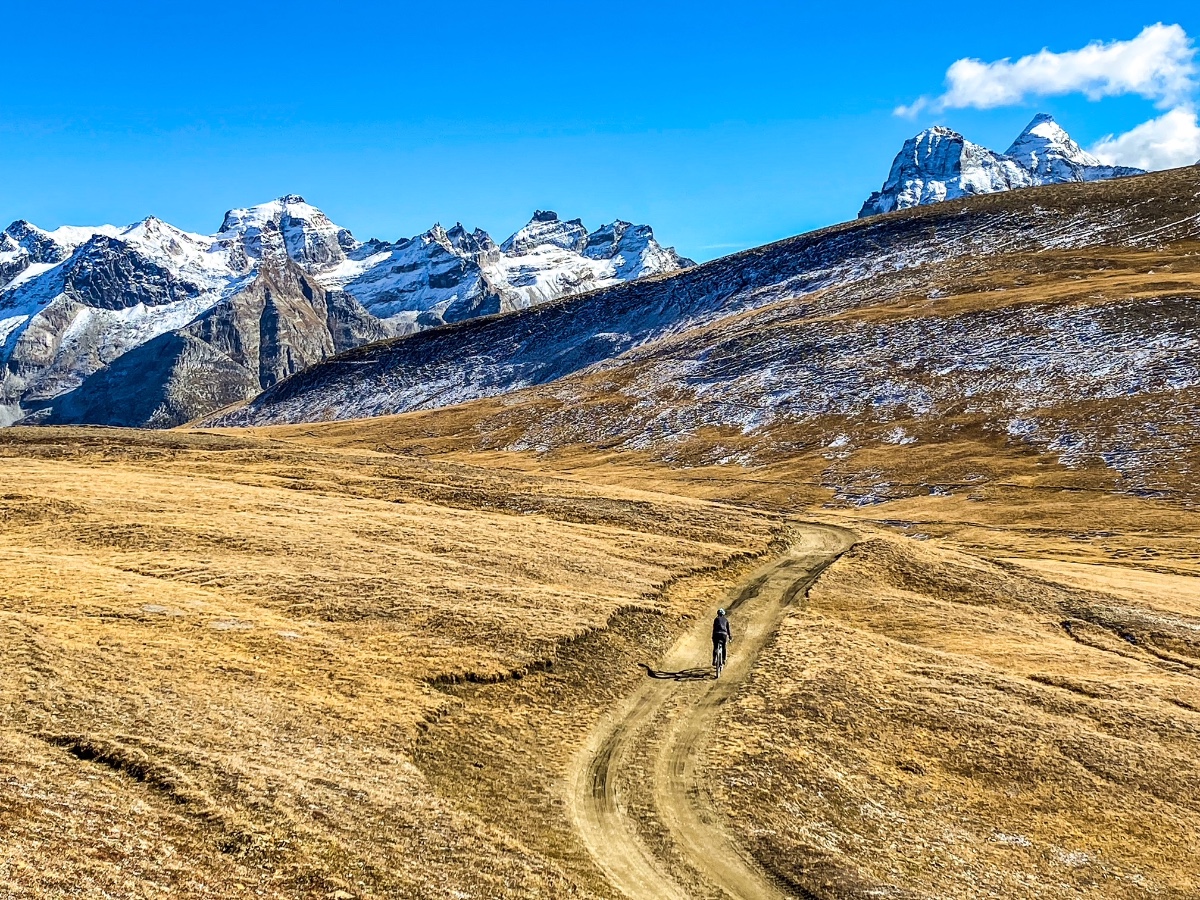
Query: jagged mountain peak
x,y
940,164
445,275
458,240
550,218
76,299
1043,141
937,131
633,250
287,225
925,142
1045,127
477,241
35,243
289,206
55,245
154,231
935,148
545,229
20,227
607,238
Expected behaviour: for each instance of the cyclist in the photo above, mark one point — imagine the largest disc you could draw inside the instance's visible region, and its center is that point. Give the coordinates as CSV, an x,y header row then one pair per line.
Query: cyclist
x,y
721,636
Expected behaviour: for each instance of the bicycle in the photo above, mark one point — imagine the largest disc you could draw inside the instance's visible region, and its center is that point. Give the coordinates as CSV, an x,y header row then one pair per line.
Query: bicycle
x,y
719,657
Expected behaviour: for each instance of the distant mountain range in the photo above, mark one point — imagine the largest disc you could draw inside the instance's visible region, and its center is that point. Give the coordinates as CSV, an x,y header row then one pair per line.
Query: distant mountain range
x,y
939,164
1060,320
151,325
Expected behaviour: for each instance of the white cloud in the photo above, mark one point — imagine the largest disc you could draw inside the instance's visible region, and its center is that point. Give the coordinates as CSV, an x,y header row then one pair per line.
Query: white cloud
x,y
912,110
1173,139
1159,64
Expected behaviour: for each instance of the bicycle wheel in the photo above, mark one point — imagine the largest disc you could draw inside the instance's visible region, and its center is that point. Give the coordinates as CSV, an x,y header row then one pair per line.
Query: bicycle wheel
x,y
720,658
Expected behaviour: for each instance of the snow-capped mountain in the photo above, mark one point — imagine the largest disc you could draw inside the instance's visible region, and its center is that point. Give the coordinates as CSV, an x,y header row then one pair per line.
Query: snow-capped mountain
x,y
75,300
412,282
80,298
549,257
929,327
1045,149
940,164
282,322
289,226
446,276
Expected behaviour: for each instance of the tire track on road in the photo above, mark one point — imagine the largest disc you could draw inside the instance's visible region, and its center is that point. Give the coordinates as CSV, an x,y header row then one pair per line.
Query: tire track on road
x,y
601,809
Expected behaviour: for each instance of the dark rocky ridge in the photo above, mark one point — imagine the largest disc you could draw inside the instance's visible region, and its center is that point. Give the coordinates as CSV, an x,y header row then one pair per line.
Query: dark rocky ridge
x,y
75,299
106,274
487,357
163,383
281,323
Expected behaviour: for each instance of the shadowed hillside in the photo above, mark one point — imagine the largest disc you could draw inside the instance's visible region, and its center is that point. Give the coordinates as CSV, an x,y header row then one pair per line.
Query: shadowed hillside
x,y
1057,322
920,253
939,466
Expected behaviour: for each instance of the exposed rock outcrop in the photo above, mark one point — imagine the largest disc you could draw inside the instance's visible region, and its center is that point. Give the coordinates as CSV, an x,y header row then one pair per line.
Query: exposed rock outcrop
x,y
279,287
940,164
281,323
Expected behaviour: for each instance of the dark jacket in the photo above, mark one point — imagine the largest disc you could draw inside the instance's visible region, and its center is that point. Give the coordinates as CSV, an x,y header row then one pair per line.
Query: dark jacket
x,y
721,630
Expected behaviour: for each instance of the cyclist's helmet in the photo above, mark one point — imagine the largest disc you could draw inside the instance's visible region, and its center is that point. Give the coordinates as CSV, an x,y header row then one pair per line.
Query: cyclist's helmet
x,y
720,612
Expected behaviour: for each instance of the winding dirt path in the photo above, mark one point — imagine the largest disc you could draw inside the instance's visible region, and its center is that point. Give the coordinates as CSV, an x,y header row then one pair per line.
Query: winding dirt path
x,y
602,805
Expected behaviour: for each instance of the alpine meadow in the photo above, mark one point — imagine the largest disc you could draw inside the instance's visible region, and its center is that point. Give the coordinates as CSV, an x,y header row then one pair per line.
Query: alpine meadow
x,y
348,567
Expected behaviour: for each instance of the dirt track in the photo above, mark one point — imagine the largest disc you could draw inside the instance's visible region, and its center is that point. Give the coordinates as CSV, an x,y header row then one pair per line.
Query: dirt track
x,y
601,800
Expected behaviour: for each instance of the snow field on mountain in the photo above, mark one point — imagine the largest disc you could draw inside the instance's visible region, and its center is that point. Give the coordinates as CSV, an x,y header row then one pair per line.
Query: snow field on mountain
x,y
77,298
939,164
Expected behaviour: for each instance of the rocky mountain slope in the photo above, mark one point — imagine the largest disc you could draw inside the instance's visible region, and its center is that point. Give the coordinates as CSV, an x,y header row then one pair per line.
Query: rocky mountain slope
x,y
939,164
283,321
1061,320
75,301
451,275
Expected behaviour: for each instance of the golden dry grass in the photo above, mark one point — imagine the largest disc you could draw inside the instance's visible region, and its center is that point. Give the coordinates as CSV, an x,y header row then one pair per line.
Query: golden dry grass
x,y
219,656
988,674
275,664
935,724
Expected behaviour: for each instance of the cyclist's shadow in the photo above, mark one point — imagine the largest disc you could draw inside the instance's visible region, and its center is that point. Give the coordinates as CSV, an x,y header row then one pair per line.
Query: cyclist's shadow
x,y
698,674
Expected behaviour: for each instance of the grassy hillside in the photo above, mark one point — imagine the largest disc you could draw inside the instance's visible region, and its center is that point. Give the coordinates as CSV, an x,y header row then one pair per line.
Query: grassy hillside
x,y
941,466
288,669
220,655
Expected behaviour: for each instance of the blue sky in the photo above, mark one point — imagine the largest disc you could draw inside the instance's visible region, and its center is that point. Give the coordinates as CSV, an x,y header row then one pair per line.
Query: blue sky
x,y
722,125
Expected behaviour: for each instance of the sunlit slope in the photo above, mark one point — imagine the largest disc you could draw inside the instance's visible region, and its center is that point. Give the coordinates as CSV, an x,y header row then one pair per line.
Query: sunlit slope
x,y
1057,320
1087,357
826,273
220,653
939,724
248,665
